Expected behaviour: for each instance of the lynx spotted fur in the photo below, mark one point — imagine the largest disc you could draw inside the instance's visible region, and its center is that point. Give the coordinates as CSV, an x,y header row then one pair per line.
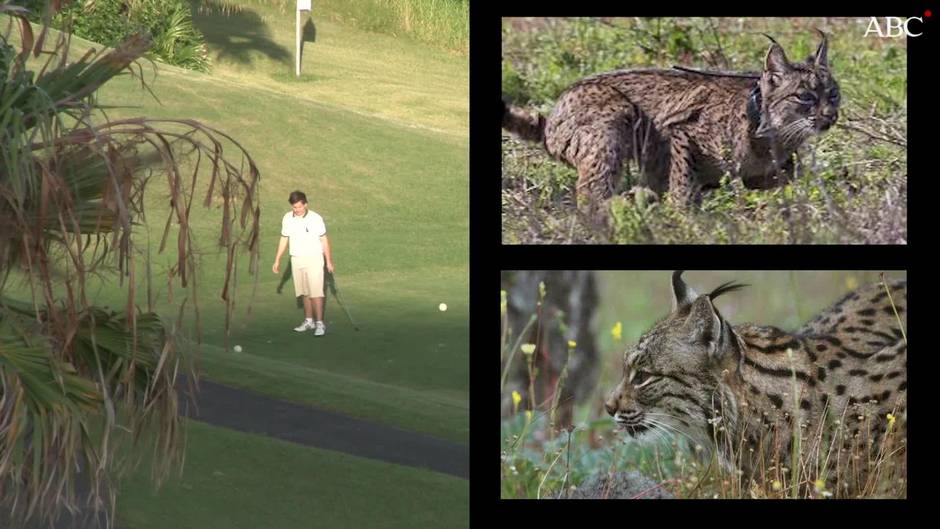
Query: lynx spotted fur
x,y
730,389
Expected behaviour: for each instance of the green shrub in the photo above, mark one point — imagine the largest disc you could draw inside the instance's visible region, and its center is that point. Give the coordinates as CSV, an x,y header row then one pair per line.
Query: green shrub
x,y
169,23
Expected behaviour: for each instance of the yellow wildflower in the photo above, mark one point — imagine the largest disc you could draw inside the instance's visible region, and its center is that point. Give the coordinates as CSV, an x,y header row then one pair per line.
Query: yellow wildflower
x,y
821,489
528,416
516,399
776,485
891,419
572,344
528,348
851,283
616,331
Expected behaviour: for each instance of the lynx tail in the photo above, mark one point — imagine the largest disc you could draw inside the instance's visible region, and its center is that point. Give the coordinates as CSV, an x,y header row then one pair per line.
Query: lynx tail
x,y
522,124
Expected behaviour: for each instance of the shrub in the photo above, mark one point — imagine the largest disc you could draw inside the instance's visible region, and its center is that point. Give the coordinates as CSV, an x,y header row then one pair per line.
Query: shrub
x,y
169,23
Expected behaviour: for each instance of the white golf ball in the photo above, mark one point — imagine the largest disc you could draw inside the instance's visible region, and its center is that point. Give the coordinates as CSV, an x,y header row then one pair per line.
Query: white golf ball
x,y
237,348
442,307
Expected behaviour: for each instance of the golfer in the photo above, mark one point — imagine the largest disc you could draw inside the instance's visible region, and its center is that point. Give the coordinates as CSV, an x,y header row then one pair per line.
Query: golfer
x,y
304,231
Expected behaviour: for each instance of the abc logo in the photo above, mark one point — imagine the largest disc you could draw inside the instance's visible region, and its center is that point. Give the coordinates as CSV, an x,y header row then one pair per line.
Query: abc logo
x,y
894,27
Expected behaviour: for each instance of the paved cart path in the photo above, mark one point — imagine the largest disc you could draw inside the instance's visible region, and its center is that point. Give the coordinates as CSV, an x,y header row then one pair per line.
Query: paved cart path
x,y
257,414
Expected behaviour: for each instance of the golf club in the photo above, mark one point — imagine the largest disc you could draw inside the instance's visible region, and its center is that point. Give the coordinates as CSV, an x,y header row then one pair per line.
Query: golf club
x,y
331,284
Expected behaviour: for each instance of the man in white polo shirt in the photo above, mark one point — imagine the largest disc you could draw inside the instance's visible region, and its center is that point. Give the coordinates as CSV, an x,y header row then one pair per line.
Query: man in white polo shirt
x,y
305,233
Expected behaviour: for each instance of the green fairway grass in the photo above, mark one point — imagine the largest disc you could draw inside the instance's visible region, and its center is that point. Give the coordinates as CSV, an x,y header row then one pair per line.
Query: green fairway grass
x,y
391,181
394,200
376,133
412,375
370,72
234,480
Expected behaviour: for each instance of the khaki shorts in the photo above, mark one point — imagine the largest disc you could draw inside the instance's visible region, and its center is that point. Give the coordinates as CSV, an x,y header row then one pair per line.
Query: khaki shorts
x,y
307,273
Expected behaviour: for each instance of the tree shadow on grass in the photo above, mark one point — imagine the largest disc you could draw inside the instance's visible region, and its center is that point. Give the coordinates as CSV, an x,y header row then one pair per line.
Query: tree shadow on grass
x,y
237,34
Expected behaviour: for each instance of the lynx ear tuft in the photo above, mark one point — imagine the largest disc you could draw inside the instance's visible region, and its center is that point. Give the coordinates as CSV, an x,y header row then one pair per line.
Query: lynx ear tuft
x,y
820,59
723,288
776,61
682,294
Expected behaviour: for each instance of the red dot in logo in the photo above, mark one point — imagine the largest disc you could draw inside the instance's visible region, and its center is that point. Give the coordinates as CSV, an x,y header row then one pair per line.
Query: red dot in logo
x,y
927,13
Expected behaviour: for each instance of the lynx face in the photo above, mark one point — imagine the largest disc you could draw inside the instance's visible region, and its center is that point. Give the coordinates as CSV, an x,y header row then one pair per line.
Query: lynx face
x,y
671,378
799,99
664,386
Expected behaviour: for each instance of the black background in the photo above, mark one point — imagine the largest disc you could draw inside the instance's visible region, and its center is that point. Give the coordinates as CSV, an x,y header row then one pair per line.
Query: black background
x,y
488,257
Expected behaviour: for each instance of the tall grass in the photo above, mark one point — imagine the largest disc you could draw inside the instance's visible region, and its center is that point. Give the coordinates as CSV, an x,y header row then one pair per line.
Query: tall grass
x,y
816,467
443,23
440,23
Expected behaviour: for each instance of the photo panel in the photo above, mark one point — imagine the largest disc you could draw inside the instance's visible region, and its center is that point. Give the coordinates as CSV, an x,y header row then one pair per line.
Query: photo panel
x,y
705,130
633,384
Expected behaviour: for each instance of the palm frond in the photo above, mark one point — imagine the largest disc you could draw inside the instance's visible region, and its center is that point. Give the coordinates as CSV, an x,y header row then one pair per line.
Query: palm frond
x,y
72,186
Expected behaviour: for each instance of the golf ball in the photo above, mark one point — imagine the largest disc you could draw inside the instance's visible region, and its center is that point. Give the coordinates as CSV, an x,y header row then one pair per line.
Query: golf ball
x,y
442,307
237,348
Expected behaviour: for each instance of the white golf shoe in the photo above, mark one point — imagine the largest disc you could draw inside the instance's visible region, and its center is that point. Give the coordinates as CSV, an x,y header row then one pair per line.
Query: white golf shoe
x,y
305,326
321,329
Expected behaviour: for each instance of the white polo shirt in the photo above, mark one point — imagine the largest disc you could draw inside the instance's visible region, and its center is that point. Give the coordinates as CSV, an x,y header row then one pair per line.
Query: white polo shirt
x,y
304,233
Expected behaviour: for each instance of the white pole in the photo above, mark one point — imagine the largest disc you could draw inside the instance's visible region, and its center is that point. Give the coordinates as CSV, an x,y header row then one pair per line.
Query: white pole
x,y
297,54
